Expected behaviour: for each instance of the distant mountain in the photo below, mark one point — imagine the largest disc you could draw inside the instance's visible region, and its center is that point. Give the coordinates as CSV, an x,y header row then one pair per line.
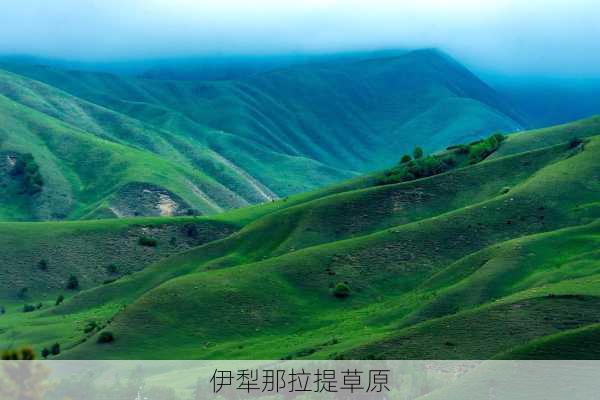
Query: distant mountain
x,y
109,145
545,101
485,250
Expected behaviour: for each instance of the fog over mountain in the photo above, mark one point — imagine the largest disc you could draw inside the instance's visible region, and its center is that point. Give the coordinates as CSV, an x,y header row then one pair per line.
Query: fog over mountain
x,y
508,37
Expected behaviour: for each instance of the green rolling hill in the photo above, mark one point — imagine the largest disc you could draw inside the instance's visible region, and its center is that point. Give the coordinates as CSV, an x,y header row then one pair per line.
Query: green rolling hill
x,y
463,254
118,146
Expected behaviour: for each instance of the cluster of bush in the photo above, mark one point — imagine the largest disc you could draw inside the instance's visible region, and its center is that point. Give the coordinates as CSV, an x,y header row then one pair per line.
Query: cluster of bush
x,y
73,283
418,167
43,265
30,307
341,290
54,350
147,241
106,337
27,168
421,166
22,354
481,149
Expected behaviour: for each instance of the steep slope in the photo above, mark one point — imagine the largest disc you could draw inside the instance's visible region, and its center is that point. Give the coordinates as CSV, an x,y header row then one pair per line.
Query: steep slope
x,y
69,138
82,172
275,133
471,263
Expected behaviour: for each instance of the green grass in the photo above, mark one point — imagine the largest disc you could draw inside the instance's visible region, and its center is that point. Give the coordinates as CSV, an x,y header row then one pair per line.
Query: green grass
x,y
88,249
496,259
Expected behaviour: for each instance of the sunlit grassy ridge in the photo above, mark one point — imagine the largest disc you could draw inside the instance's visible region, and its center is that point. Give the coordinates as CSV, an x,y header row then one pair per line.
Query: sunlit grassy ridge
x,y
104,142
488,260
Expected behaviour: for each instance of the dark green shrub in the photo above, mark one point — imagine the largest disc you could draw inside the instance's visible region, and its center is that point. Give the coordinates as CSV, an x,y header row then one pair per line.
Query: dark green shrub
x,y
59,299
2,310
28,308
499,137
405,158
73,283
450,161
191,230
27,168
43,265
55,349
45,352
147,241
492,143
430,166
112,269
25,353
106,337
463,150
574,142
417,153
341,290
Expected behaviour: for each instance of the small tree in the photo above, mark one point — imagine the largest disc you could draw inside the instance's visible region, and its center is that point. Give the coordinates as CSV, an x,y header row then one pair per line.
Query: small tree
x,y
55,349
45,352
112,269
106,337
73,283
43,265
60,299
341,290
574,142
25,353
147,241
2,310
191,230
405,158
417,153
28,308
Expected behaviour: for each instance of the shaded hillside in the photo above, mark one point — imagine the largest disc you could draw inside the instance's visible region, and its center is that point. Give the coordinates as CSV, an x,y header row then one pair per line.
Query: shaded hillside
x,y
478,261
38,258
244,141
547,101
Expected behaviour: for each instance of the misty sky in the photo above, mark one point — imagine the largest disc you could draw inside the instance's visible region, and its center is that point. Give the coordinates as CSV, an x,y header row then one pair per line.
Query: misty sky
x,y
550,37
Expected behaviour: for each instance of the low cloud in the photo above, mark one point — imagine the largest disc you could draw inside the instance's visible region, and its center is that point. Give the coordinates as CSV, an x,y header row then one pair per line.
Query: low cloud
x,y
551,37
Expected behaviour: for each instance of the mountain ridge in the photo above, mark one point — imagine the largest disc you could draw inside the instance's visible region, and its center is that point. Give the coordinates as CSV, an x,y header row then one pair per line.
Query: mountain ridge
x,y
262,136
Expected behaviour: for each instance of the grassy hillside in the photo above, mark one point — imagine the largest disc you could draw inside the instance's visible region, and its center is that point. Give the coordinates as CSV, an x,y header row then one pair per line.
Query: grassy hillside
x,y
341,113
38,258
214,145
493,259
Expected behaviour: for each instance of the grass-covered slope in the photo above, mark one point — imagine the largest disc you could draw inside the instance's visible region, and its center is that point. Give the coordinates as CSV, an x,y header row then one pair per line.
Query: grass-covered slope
x,y
248,140
99,161
38,258
484,260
